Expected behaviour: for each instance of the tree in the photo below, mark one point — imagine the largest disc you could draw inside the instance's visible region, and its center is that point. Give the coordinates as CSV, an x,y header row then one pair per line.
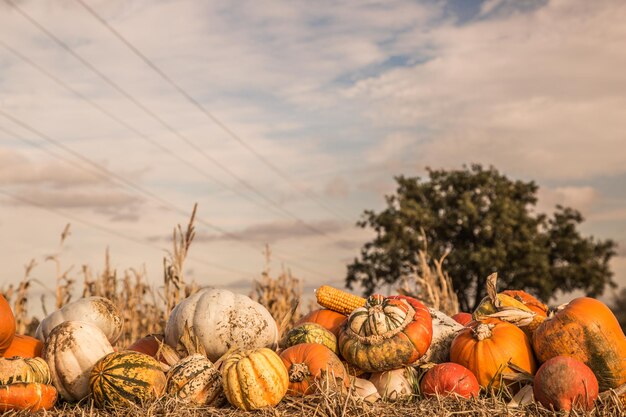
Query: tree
x,y
487,223
619,308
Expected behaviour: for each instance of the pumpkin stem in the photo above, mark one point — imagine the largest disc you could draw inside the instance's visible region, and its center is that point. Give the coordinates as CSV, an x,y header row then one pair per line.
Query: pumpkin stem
x,y
299,372
483,331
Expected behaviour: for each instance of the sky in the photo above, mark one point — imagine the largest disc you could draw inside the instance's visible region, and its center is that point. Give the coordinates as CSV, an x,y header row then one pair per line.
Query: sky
x,y
295,120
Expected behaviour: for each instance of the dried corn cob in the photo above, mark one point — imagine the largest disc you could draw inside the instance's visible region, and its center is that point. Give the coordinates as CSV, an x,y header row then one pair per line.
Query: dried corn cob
x,y
337,300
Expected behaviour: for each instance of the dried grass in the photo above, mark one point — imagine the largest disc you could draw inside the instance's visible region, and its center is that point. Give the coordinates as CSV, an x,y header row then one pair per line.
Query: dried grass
x,y
429,283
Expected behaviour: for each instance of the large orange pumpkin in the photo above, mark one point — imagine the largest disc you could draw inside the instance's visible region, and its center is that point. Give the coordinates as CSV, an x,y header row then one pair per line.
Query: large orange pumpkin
x,y
586,330
24,346
27,396
328,319
307,363
7,325
486,347
386,334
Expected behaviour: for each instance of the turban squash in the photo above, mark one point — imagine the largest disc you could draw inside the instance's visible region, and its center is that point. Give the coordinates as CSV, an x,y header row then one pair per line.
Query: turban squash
x,y
27,396
387,333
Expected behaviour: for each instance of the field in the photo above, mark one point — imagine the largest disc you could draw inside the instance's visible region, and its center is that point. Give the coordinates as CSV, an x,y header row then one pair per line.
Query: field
x,y
146,308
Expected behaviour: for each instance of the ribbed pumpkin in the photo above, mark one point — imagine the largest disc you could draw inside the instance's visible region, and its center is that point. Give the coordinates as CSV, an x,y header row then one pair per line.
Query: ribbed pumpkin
x,y
462,318
326,318
221,320
98,311
71,350
254,379
310,362
586,330
195,379
310,333
388,333
23,396
24,346
564,383
126,377
7,325
486,347
447,379
16,369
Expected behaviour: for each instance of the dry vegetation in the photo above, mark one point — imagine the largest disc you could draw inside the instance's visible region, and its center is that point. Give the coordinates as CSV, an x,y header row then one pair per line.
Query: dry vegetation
x,y
146,308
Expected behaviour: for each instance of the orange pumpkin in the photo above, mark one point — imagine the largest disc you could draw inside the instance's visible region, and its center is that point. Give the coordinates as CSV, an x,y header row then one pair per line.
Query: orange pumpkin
x,y
328,319
24,346
307,363
486,347
153,345
449,379
529,301
30,396
586,330
462,318
7,325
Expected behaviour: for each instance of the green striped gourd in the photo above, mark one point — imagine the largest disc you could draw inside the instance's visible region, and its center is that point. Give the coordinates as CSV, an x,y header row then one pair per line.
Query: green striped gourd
x,y
195,379
126,377
310,333
16,369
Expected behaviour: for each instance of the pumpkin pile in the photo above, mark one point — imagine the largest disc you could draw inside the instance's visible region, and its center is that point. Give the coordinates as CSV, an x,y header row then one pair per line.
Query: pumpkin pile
x,y
219,347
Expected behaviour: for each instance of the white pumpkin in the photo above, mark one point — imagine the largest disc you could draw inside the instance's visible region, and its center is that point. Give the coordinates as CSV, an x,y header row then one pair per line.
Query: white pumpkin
x,y
71,350
365,390
96,310
396,384
445,328
221,319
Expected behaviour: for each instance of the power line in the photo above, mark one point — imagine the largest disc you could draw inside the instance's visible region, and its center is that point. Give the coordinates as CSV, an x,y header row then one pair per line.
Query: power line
x,y
132,129
101,228
161,121
107,174
204,111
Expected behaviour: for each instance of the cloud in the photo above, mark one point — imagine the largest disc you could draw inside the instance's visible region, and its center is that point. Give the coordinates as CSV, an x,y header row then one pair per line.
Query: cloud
x,y
280,230
18,169
581,198
539,93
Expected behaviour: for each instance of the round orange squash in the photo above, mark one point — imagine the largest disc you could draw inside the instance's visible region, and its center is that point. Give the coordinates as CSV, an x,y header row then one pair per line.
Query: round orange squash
x,y
587,330
564,383
386,334
307,363
31,396
328,319
24,347
7,325
446,379
486,347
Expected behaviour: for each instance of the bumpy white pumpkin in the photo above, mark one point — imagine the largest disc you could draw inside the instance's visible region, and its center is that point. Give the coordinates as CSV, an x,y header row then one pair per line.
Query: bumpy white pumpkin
x,y
95,310
396,384
220,319
445,328
71,350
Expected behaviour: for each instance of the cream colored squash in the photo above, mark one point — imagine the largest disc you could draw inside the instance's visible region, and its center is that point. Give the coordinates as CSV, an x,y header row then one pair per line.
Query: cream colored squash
x,y
71,350
221,320
95,310
445,328
397,384
196,380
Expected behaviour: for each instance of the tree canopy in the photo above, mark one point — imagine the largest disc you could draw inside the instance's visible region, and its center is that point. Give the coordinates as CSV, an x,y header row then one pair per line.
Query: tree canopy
x,y
487,222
